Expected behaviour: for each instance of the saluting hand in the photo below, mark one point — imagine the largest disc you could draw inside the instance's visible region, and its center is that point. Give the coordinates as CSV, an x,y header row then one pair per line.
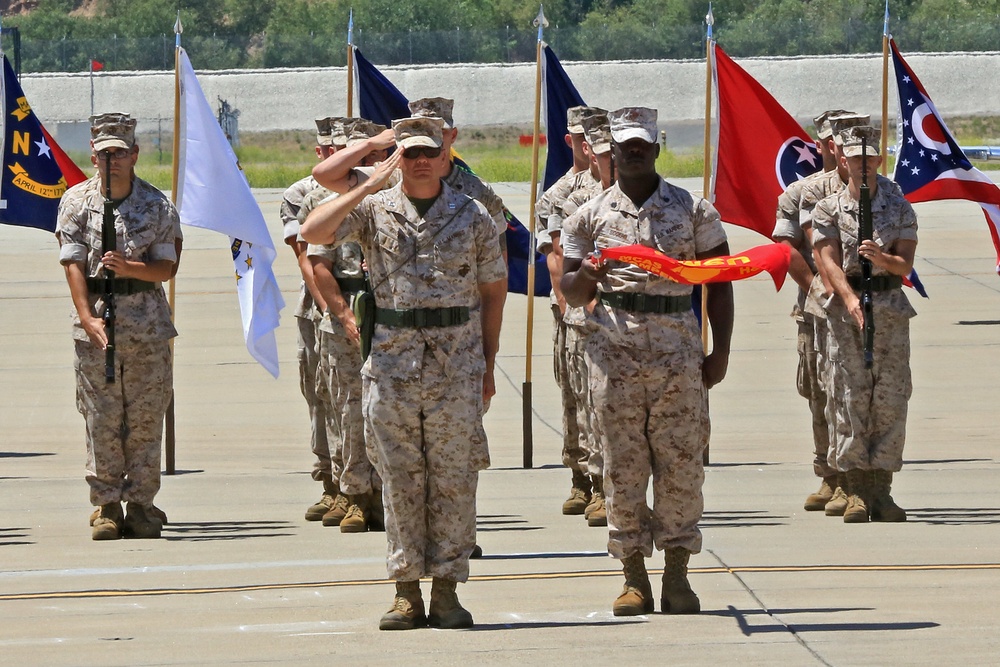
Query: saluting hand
x,y
383,170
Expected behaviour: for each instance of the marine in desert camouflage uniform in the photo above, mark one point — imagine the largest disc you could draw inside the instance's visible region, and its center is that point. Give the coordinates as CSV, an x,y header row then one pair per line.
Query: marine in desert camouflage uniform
x,y
793,227
340,277
308,312
548,223
648,375
597,146
869,405
124,419
439,282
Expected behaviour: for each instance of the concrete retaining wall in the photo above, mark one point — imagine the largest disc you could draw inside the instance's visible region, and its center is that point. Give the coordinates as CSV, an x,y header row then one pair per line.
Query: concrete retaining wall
x,y
961,84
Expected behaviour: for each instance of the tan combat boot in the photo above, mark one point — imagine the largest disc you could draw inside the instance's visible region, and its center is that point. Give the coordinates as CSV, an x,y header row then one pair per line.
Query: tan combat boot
x,y
356,519
337,511
858,494
816,502
883,507
637,594
407,608
676,596
579,495
446,611
140,522
109,522
597,513
153,509
838,503
318,509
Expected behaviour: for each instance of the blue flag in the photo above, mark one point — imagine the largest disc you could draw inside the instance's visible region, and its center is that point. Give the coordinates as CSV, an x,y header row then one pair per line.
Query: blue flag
x,y
560,96
378,100
381,102
32,182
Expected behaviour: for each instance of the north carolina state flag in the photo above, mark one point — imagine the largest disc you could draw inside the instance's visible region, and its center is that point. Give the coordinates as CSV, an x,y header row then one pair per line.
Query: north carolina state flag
x,y
762,149
771,257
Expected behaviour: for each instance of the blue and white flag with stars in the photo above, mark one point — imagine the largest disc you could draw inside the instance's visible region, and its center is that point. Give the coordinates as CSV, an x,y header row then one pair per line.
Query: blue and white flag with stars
x,y
212,193
930,166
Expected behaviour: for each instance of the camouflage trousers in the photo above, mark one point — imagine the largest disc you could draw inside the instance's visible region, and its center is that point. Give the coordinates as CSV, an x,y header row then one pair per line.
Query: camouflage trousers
x,y
425,428
579,380
125,419
574,456
867,413
651,410
810,383
308,353
340,364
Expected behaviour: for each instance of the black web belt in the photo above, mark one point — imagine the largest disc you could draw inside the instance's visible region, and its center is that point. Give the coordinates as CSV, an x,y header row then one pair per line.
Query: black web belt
x,y
417,318
124,286
879,283
351,285
646,303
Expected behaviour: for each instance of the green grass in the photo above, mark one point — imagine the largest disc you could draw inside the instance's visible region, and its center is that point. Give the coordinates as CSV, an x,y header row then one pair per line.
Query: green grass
x,y
278,159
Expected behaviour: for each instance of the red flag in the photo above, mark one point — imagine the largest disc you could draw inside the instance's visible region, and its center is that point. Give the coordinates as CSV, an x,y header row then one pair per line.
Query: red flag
x,y
96,66
772,257
762,149
70,171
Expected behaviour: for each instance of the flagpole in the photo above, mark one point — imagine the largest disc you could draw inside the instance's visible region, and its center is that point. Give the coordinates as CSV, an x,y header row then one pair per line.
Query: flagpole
x,y
885,88
350,64
707,172
540,22
91,86
170,439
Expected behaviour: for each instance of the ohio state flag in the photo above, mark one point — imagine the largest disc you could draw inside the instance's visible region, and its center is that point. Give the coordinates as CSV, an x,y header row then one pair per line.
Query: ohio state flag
x,y
930,166
762,149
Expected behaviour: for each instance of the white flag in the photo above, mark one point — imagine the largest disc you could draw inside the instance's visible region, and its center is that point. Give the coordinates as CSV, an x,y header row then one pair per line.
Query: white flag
x,y
212,193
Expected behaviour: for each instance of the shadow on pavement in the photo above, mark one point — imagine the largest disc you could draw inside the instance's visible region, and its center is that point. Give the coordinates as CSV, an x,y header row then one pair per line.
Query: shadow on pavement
x,y
747,629
8,537
541,625
201,531
954,516
24,455
740,519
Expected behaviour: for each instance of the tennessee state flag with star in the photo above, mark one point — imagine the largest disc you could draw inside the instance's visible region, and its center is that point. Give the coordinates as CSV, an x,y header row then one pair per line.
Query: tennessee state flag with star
x,y
36,172
762,149
930,166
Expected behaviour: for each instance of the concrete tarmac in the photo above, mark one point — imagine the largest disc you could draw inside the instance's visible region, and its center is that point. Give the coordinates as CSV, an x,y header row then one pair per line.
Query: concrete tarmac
x,y
240,577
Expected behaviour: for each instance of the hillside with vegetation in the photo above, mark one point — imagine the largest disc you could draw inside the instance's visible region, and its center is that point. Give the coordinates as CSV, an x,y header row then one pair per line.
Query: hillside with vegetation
x,y
63,35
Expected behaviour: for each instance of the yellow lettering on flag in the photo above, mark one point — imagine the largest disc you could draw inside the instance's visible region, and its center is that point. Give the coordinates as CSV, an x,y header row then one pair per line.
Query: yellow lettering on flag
x,y
23,181
22,143
23,109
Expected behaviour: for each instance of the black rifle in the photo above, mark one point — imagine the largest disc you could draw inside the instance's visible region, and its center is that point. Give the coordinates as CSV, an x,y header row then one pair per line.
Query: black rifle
x,y
109,244
865,234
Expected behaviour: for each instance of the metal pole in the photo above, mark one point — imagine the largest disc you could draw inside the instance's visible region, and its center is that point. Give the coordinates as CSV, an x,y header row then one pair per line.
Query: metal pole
x,y
540,23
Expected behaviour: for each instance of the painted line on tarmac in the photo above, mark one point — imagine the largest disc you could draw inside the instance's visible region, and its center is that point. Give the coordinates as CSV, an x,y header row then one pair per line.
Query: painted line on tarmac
x,y
530,576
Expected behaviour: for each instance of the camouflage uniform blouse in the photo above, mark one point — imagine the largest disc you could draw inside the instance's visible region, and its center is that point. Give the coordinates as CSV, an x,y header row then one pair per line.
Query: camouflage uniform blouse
x,y
893,218
147,225
671,220
435,261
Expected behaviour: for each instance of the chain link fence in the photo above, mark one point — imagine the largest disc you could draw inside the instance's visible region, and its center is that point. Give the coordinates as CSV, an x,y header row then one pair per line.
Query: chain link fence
x,y
608,42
